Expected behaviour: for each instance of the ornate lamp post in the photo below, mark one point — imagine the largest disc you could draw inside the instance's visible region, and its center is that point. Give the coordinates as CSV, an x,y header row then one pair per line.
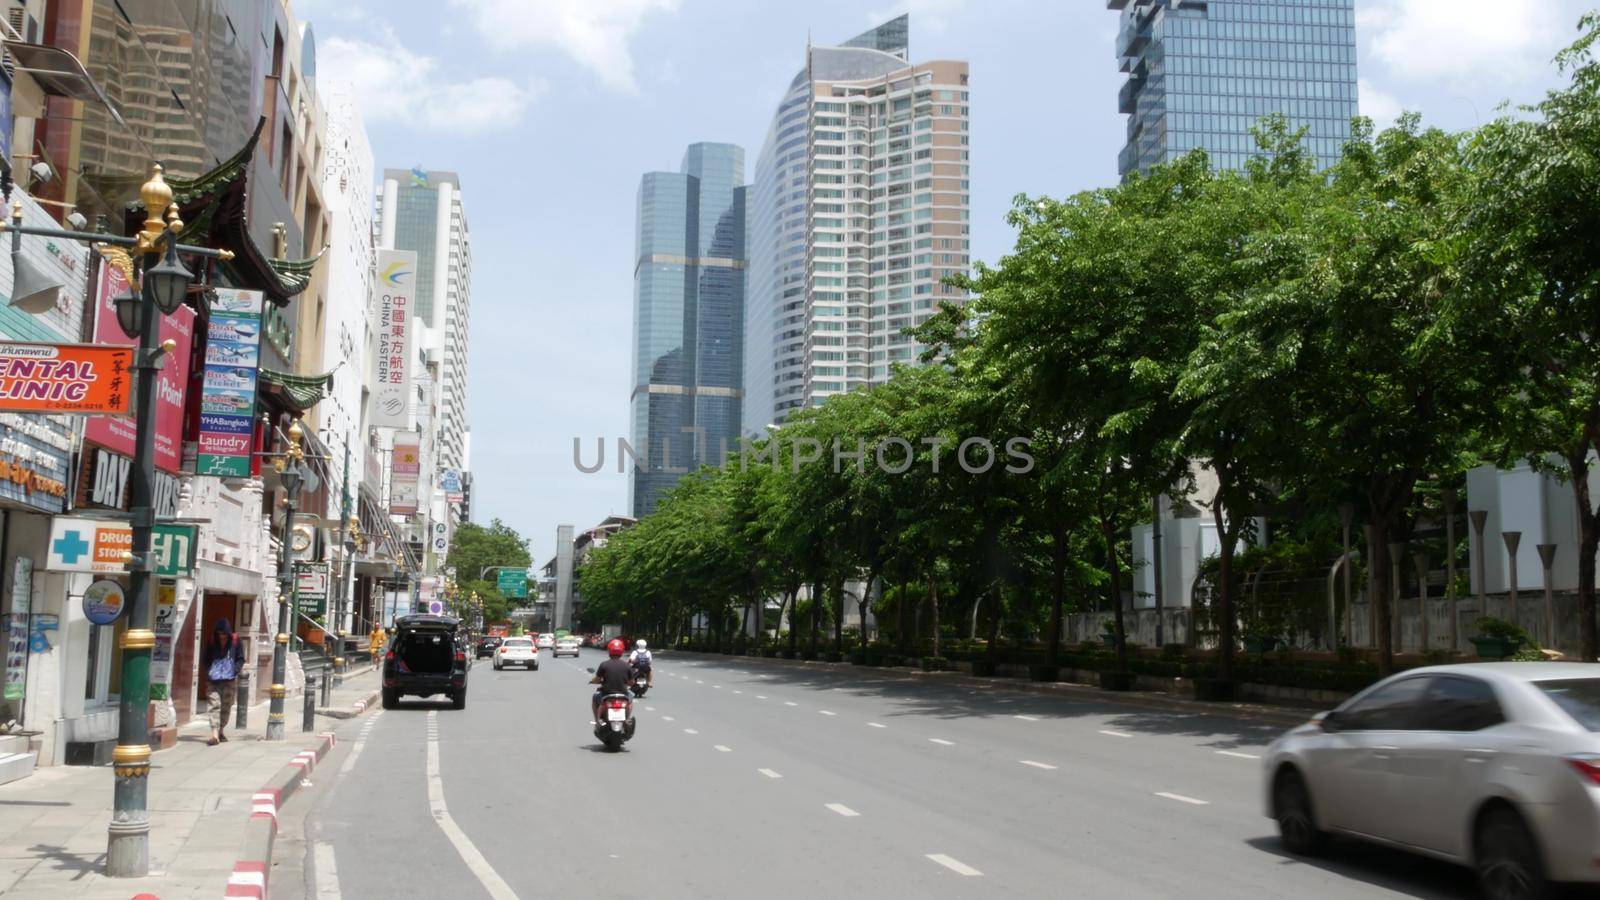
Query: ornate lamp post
x,y
288,465
158,283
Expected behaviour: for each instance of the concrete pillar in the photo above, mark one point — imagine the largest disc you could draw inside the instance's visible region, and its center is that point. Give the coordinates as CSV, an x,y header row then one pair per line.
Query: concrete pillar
x,y
1547,556
1512,539
1421,559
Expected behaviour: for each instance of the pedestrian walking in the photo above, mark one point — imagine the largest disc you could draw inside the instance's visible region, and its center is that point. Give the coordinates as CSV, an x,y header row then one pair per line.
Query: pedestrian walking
x,y
376,641
222,660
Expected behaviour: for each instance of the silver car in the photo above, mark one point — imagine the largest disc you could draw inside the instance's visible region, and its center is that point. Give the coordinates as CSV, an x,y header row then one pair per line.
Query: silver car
x,y
1491,765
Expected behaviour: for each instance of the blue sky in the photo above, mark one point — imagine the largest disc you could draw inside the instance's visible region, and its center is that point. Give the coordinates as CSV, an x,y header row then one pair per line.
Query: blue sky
x,y
551,110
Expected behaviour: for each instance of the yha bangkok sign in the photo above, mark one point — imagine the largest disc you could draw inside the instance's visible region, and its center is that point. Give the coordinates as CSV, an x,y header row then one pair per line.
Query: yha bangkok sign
x,y
81,379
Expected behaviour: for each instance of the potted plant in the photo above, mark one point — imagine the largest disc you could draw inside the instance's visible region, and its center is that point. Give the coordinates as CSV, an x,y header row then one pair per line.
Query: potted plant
x,y
1108,633
1497,638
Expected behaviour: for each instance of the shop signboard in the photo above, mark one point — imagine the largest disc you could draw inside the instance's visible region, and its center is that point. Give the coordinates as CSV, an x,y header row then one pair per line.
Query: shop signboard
x,y
161,656
404,471
74,379
104,602
228,387
311,588
97,545
35,457
172,382
103,481
394,293
450,483
512,582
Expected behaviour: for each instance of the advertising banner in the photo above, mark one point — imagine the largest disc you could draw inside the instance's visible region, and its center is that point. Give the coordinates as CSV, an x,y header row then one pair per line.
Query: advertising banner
x,y
82,379
450,483
404,470
394,299
172,382
17,629
161,656
228,388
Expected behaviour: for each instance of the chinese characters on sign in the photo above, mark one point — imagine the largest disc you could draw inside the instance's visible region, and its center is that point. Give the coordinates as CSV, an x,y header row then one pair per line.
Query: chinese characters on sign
x,y
172,382
228,393
403,473
65,378
394,300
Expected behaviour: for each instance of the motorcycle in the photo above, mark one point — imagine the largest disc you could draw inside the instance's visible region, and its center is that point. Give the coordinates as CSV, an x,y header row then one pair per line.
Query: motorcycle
x,y
616,722
641,682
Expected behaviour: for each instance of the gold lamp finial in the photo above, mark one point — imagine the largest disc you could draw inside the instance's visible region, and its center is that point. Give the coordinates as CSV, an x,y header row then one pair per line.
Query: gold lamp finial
x,y
156,194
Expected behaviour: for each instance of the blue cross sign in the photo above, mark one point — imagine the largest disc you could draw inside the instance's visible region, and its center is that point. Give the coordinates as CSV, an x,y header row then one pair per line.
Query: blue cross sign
x,y
70,546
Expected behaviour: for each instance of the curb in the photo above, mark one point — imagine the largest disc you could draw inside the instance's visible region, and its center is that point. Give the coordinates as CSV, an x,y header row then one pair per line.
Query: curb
x,y
1284,716
249,877
356,708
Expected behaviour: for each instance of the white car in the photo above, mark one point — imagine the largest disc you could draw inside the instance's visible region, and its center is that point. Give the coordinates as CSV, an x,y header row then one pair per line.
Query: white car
x,y
566,646
1490,765
546,641
517,651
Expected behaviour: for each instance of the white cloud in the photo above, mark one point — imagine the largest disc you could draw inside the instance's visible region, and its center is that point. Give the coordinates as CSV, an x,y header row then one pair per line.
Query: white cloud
x,y
397,85
1378,105
594,33
1479,41
933,15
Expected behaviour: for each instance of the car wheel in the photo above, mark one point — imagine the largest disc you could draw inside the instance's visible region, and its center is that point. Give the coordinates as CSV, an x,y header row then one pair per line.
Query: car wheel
x,y
1508,858
391,699
1297,822
458,700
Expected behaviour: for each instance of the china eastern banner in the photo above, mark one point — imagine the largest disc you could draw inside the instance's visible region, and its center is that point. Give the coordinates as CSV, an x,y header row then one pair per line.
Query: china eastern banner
x,y
87,379
393,297
228,384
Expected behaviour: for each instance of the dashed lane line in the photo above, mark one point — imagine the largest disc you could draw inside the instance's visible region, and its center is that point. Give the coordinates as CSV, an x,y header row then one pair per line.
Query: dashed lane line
x,y
1027,718
722,749
826,712
769,773
876,725
954,865
843,810
1108,733
1237,755
1182,799
942,742
1036,765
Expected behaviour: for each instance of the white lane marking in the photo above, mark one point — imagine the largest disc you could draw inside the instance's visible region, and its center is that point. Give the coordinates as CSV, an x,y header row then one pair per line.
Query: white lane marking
x,y
769,773
649,709
690,731
877,725
738,692
1237,754
943,742
360,744
697,681
327,871
842,810
1036,765
721,749
1182,799
954,865
790,703
760,697
825,712
666,718
717,686
1027,718
479,866
1115,733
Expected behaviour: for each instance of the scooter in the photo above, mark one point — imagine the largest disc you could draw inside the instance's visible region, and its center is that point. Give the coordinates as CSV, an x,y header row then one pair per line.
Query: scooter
x,y
616,722
641,682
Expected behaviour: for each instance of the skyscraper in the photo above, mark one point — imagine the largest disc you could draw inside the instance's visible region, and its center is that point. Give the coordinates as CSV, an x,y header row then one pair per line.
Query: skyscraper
x,y
860,207
1201,74
421,210
688,319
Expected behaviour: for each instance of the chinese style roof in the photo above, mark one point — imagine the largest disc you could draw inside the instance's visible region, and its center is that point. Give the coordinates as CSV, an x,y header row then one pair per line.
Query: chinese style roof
x,y
299,392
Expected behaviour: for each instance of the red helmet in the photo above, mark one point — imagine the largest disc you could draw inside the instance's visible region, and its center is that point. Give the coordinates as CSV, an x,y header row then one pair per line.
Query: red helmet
x,y
615,647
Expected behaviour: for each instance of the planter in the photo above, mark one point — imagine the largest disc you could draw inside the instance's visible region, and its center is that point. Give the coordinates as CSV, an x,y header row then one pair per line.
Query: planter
x,y
983,668
1218,690
1259,644
933,663
1044,673
1116,681
1109,639
1495,647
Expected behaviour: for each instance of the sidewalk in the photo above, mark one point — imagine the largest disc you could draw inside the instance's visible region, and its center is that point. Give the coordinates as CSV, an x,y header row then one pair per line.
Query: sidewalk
x,y
53,823
1286,715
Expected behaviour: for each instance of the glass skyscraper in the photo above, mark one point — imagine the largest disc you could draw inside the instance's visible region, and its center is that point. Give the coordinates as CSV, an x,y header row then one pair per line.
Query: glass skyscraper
x,y
688,320
1201,73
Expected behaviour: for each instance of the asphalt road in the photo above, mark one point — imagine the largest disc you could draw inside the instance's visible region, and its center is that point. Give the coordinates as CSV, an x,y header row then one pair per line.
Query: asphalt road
x,y
747,779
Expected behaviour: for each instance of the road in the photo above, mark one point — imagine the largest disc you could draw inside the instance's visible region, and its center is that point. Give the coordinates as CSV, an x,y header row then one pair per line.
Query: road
x,y
746,778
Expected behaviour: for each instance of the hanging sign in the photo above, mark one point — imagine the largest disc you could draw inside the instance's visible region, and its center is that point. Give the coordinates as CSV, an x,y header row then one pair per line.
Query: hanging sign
x,y
85,379
394,295
404,471
172,381
97,545
103,602
228,389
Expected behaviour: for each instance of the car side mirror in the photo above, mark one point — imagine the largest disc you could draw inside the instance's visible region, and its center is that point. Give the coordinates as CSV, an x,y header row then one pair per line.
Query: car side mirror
x,y
1330,720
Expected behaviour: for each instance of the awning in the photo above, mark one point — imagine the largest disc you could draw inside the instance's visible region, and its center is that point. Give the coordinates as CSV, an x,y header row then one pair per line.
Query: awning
x,y
60,74
299,392
215,576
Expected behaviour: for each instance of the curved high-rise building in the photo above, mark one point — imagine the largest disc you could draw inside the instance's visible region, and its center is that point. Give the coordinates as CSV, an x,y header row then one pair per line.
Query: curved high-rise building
x,y
859,208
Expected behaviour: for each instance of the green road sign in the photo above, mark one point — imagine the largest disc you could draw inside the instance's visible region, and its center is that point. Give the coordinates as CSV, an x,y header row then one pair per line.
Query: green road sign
x,y
512,582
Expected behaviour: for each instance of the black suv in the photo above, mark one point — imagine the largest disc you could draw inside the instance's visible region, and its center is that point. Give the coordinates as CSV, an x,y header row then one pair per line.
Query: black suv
x,y
426,656
487,646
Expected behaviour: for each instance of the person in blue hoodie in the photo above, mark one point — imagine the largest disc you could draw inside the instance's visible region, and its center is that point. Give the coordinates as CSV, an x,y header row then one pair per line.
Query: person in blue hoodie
x,y
222,660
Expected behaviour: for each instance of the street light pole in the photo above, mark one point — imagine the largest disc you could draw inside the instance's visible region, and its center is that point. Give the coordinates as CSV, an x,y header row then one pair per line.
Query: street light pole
x,y
341,595
288,466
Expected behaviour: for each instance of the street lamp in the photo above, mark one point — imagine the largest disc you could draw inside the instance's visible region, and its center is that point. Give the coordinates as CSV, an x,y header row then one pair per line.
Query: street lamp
x,y
288,465
152,253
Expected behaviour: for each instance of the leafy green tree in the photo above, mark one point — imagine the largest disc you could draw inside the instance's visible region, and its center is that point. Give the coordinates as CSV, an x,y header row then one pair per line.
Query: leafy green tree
x,y
477,547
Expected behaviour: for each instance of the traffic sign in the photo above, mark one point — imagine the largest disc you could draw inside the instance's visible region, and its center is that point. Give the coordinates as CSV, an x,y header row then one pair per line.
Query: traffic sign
x,y
512,582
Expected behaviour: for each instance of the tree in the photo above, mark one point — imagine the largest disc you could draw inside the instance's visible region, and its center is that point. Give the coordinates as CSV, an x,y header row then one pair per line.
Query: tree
x,y
1534,224
477,547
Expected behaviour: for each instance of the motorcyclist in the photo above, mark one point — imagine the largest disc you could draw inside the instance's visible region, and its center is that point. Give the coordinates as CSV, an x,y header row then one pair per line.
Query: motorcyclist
x,y
613,675
639,660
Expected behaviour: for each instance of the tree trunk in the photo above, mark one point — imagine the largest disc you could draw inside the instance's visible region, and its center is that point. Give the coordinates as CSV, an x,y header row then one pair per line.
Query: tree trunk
x,y
794,614
1058,587
933,604
1227,537
993,650
816,612
1588,543
838,616
900,604
1381,601
1108,527
865,603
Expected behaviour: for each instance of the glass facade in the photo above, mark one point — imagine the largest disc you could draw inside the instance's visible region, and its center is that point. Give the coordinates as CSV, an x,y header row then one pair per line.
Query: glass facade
x,y
1202,74
688,341
416,220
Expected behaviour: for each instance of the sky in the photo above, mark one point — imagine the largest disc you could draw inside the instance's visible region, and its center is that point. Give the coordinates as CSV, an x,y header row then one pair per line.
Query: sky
x,y
552,110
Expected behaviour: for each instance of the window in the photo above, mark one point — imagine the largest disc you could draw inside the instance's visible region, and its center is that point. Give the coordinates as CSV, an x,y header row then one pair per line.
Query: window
x,y
1461,704
1577,697
1395,706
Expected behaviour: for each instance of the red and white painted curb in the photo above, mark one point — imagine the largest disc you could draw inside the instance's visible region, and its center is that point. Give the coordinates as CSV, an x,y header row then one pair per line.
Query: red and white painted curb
x,y
249,876
249,879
